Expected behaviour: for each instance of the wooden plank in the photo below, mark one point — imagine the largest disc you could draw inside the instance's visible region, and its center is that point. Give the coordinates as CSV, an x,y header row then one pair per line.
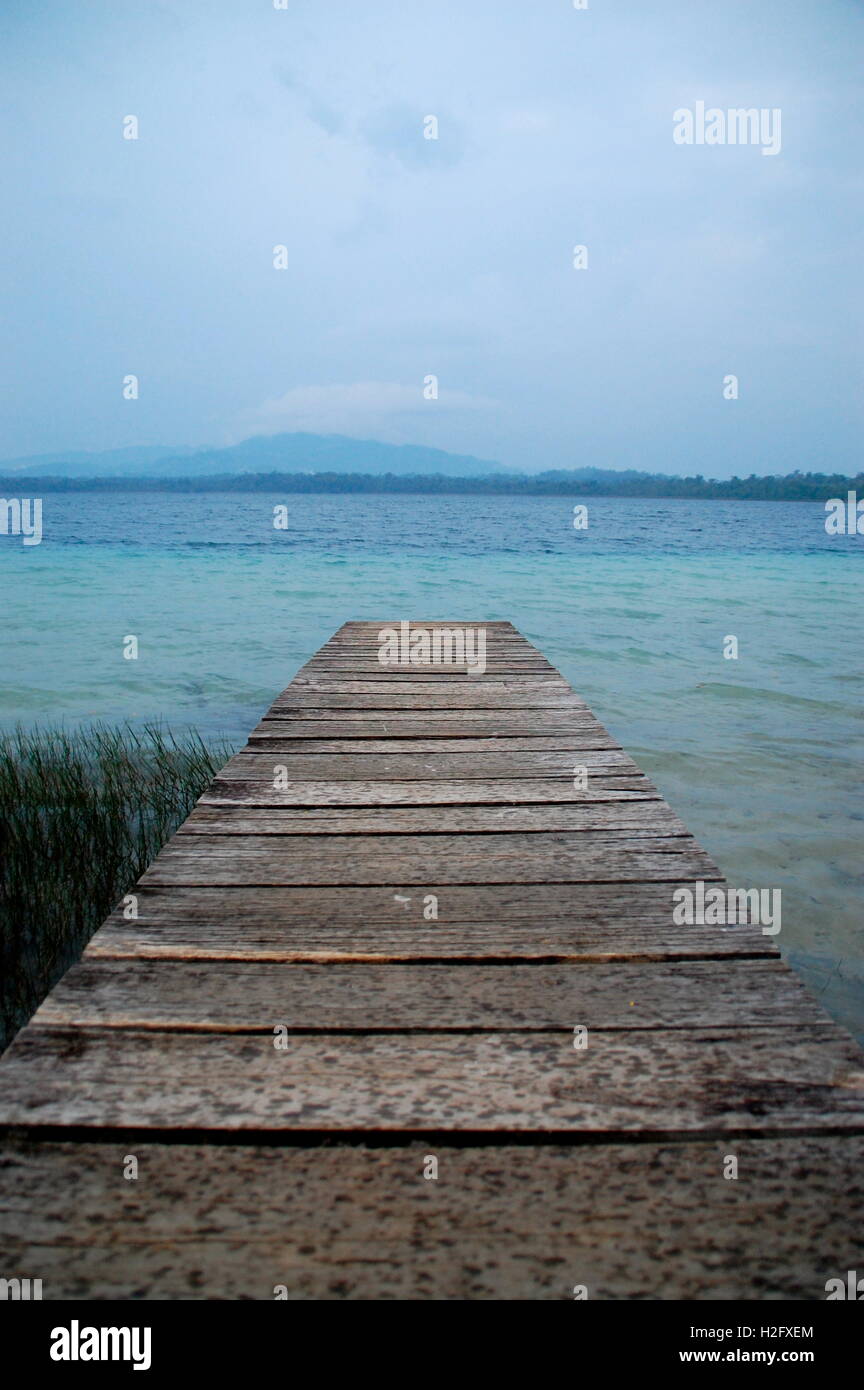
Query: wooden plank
x,y
256,789
494,662
361,625
510,656
449,641
544,858
394,679
374,637
260,938
277,735
368,670
591,922
629,1221
396,742
244,996
369,695
477,633
522,659
408,767
455,682
652,816
451,652
500,735
574,905
524,721
499,631
765,1081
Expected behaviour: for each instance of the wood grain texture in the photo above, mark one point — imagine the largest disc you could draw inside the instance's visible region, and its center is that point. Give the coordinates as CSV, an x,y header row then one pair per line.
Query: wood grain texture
x,y
766,1081
630,1221
232,934
592,922
653,817
393,697
495,670
544,858
417,767
253,786
481,694
394,725
323,740
387,678
527,721
230,996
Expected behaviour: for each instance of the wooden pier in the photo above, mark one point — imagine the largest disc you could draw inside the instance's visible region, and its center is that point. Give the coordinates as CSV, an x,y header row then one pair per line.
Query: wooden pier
x,y
404,1013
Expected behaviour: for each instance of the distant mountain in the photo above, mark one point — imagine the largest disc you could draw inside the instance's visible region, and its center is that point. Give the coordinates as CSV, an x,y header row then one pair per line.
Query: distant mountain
x,y
138,460
278,453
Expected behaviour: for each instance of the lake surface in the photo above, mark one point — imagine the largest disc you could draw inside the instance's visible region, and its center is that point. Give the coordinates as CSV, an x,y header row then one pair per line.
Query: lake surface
x,y
762,756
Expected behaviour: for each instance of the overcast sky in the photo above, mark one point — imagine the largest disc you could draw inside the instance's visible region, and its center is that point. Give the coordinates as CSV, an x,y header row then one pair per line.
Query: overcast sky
x,y
408,256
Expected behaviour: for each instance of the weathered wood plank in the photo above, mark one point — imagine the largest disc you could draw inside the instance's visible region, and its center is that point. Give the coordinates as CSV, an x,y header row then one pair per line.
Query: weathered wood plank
x,y
379,686
629,1221
256,788
667,1081
369,697
495,644
222,938
372,634
516,660
560,719
407,767
592,922
544,858
227,996
495,663
652,816
519,665
501,653
274,734
322,741
430,679
495,632
372,637
450,653
361,625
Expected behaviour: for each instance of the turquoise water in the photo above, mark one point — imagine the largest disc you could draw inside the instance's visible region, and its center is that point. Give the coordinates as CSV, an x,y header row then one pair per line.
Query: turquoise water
x,y
761,756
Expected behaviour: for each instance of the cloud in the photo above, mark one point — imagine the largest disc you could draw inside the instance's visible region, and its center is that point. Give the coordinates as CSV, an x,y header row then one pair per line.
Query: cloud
x,y
524,121
398,131
311,103
389,409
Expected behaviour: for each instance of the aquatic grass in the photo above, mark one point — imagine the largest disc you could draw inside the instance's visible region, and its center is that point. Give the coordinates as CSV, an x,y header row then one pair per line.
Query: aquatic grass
x,y
82,814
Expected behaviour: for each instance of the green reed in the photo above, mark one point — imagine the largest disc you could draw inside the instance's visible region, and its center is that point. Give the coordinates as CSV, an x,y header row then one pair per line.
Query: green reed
x,y
82,814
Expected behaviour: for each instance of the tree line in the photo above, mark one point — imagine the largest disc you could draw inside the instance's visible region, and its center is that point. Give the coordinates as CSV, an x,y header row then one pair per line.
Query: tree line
x,y
792,487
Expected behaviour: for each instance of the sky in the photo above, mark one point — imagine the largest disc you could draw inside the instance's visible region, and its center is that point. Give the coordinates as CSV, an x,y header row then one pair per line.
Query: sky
x,y
407,257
